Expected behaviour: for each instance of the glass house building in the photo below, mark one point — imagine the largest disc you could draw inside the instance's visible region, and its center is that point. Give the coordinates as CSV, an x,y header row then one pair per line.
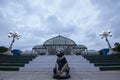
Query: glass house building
x,y
50,46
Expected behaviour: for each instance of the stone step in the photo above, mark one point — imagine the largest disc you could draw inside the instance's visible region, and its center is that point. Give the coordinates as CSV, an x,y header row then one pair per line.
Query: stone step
x,y
53,64
47,63
51,69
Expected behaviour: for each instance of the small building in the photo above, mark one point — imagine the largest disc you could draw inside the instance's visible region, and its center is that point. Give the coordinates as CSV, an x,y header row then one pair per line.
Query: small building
x,y
50,46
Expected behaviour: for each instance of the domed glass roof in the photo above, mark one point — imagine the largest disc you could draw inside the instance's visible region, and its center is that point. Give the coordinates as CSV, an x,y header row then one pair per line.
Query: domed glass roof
x,y
80,47
39,47
59,41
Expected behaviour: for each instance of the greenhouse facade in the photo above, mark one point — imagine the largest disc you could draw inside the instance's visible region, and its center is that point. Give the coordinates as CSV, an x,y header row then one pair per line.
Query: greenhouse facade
x,y
50,46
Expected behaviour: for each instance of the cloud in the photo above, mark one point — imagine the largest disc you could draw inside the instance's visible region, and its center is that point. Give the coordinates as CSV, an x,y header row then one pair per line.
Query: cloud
x,y
109,17
58,27
39,20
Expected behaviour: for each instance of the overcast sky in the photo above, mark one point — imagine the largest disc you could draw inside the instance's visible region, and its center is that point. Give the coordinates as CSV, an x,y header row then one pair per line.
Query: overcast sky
x,y
40,20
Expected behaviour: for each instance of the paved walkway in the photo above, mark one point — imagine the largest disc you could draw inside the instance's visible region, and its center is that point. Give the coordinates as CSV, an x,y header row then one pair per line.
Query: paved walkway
x,y
102,75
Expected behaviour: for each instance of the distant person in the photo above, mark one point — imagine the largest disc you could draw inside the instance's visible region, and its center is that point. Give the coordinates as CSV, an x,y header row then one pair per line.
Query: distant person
x,y
61,70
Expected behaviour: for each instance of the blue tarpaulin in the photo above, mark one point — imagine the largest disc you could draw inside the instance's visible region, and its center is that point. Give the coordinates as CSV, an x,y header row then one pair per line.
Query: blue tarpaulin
x,y
104,51
16,52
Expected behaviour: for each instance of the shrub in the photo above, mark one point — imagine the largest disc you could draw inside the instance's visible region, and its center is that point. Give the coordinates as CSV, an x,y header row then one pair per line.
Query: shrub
x,y
41,53
3,49
117,48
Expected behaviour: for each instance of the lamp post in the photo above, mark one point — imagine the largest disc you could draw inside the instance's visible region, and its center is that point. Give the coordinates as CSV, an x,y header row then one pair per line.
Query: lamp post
x,y
106,34
13,35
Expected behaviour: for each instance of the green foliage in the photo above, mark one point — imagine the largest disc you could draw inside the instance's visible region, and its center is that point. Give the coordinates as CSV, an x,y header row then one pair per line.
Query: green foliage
x,y
3,49
41,53
100,52
78,53
117,47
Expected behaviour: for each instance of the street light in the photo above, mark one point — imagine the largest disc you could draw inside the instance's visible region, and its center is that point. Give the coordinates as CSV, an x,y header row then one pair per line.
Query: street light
x,y
106,34
13,35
